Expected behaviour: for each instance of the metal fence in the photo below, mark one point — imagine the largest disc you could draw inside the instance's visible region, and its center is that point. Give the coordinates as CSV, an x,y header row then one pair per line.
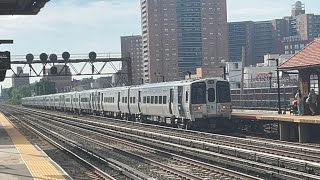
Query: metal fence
x,y
262,98
266,82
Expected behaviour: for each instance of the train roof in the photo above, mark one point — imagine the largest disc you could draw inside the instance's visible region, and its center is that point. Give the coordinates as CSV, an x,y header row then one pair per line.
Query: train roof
x,y
176,83
151,85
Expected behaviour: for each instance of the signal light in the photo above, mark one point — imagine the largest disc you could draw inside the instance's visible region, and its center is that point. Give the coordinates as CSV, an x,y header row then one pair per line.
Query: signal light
x,y
2,75
5,64
54,70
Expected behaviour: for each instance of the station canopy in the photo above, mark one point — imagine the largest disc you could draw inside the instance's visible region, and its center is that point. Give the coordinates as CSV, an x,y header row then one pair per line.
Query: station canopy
x,y
308,57
21,7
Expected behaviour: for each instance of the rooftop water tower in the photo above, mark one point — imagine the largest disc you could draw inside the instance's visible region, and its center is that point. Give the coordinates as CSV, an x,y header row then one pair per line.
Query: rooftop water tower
x,y
298,8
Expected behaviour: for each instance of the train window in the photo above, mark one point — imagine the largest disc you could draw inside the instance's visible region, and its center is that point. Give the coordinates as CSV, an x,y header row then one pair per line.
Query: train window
x,y
164,99
113,100
130,100
144,100
198,93
160,99
134,100
148,99
152,99
122,99
223,92
211,95
125,100
156,99
187,96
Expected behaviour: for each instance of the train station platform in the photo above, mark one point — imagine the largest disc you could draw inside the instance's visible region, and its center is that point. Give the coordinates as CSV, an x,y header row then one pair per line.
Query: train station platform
x,y
274,116
21,160
290,126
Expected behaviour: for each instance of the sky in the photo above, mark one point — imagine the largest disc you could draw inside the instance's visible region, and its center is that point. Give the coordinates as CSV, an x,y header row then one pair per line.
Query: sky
x,y
81,26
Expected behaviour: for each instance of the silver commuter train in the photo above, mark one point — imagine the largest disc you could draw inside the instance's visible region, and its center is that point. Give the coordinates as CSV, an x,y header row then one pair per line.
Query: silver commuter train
x,y
196,102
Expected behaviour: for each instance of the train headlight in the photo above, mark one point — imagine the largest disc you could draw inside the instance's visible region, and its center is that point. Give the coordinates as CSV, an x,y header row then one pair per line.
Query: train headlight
x,y
224,107
197,108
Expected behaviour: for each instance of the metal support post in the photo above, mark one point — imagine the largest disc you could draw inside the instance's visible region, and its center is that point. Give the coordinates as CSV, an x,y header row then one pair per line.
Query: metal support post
x,y
278,82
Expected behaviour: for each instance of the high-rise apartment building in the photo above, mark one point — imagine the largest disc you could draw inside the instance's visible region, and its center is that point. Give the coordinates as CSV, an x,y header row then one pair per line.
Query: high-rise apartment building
x,y
297,9
279,36
308,26
263,40
131,46
255,37
240,35
180,35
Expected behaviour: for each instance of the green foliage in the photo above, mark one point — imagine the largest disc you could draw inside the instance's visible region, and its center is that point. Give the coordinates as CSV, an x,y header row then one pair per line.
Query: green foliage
x,y
16,93
43,87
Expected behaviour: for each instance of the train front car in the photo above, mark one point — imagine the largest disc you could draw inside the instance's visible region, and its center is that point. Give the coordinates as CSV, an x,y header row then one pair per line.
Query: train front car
x,y
210,103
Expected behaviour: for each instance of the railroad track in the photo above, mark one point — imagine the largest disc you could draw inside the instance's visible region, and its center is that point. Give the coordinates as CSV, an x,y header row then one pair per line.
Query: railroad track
x,y
175,167
254,163
310,155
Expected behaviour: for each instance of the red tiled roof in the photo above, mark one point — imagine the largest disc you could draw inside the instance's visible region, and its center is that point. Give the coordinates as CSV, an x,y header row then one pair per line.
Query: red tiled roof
x,y
308,56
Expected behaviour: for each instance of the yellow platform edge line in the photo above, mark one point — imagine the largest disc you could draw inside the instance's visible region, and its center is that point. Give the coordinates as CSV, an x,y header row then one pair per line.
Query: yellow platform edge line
x,y
37,163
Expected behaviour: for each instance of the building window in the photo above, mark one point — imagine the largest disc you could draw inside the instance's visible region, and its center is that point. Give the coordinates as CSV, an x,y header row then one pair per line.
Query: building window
x,y
314,83
235,66
286,47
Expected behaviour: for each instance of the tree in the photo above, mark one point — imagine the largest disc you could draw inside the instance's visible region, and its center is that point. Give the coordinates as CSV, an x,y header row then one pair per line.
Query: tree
x,y
16,93
44,87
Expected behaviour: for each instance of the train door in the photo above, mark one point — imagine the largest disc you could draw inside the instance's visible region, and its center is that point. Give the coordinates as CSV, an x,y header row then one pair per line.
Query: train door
x,y
101,102
211,99
171,101
119,97
98,101
90,101
71,101
128,105
79,104
187,101
139,101
181,102
93,107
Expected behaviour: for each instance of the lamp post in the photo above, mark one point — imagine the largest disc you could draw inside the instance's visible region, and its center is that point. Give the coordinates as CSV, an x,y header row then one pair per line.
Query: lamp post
x,y
278,83
270,79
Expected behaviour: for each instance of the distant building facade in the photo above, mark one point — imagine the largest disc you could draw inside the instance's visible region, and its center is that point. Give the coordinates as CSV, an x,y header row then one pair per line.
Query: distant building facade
x,y
131,46
279,36
102,82
179,36
21,79
62,79
207,72
240,36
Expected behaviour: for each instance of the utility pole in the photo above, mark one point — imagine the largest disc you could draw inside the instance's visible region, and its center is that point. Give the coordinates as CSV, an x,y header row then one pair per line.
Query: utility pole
x,y
242,73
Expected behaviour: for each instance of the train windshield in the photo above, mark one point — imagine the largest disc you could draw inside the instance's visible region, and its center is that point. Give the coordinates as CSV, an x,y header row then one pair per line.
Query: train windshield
x,y
223,92
198,93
